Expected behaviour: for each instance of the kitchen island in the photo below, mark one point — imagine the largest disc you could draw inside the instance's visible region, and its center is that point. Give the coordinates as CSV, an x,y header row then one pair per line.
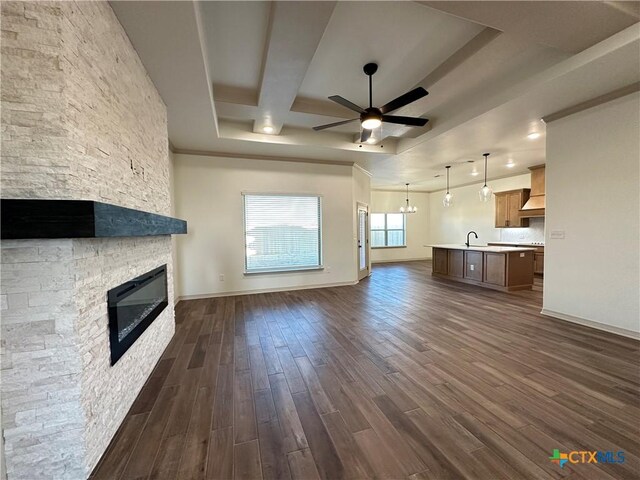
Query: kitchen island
x,y
496,267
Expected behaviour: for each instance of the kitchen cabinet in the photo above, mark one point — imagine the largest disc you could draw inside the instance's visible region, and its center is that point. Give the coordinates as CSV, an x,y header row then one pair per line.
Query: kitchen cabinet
x,y
456,263
441,261
538,254
538,263
495,269
473,265
508,205
499,268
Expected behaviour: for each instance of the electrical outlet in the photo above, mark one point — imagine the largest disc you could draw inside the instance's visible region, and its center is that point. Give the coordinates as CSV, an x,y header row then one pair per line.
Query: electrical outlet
x,y
221,277
472,267
327,269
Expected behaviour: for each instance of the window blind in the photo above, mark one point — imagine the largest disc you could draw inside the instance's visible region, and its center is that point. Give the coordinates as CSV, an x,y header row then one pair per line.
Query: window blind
x,y
388,230
282,232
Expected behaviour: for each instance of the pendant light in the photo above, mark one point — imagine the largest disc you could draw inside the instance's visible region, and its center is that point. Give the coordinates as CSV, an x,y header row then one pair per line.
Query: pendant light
x,y
448,197
486,191
408,208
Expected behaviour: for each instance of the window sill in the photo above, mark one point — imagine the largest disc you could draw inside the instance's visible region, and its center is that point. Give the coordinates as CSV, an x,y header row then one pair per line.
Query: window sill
x,y
383,248
284,270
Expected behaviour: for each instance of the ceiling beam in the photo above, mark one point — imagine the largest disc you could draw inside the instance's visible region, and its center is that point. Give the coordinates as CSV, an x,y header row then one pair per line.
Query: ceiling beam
x,y
247,156
459,57
464,53
609,50
594,102
570,27
171,48
294,136
295,31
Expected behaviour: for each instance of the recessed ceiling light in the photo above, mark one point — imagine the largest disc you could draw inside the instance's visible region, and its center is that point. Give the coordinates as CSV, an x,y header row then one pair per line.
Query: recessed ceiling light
x,y
475,174
533,135
511,165
267,129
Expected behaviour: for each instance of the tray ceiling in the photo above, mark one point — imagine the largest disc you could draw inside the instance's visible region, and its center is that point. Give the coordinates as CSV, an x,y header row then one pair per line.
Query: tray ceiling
x,y
228,69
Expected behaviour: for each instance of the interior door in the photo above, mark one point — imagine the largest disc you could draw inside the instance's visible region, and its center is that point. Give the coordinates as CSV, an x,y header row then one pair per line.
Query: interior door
x,y
363,241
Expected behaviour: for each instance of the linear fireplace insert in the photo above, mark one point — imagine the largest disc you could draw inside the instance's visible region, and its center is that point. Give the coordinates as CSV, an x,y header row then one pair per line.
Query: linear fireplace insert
x,y
133,306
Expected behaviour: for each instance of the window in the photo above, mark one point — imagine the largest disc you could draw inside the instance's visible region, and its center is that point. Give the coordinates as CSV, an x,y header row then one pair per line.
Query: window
x,y
282,233
388,230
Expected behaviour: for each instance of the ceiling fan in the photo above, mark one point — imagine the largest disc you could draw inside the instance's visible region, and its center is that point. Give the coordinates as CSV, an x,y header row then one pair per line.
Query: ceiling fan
x,y
373,117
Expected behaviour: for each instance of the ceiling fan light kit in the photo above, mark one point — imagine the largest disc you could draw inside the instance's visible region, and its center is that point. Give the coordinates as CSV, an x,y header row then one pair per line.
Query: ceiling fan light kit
x,y
374,136
371,121
372,117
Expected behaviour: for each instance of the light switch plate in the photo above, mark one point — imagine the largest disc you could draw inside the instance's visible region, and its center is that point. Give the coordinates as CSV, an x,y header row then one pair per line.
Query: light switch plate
x,y
557,234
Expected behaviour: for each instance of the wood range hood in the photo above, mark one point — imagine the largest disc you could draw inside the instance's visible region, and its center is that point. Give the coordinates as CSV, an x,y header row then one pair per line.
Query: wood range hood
x,y
536,203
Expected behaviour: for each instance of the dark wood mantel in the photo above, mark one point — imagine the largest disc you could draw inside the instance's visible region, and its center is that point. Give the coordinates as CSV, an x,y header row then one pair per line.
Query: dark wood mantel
x,y
24,219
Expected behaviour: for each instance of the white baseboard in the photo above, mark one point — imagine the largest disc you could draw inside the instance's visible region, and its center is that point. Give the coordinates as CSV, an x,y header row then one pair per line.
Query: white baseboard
x,y
590,323
262,290
373,262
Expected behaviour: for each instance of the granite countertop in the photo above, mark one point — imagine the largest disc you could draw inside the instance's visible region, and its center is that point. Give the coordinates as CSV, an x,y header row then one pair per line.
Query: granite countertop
x,y
484,248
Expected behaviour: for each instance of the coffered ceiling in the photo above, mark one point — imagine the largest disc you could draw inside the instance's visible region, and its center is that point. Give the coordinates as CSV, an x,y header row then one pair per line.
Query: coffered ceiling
x,y
227,70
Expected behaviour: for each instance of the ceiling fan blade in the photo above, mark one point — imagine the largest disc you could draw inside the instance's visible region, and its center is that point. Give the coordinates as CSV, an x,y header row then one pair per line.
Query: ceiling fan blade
x,y
346,103
411,121
403,100
336,124
365,135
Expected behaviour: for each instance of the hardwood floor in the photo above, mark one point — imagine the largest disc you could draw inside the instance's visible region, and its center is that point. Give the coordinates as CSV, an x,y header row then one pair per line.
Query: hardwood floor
x,y
400,376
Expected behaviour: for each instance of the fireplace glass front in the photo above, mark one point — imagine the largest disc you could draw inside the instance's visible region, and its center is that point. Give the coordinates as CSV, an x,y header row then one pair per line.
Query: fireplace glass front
x,y
132,308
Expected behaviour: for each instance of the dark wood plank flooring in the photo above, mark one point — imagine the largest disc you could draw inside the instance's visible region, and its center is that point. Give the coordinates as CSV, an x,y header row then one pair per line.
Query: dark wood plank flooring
x,y
400,376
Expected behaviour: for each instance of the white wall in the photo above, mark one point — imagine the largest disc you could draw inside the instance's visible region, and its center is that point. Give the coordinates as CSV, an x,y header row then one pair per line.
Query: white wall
x,y
208,195
592,195
533,233
417,225
451,224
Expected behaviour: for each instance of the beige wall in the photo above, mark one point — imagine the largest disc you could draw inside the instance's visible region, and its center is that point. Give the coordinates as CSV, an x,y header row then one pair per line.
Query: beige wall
x,y
451,224
361,195
208,193
592,196
417,225
174,240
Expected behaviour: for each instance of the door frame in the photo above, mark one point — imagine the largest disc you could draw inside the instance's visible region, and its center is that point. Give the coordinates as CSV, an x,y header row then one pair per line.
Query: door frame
x,y
364,272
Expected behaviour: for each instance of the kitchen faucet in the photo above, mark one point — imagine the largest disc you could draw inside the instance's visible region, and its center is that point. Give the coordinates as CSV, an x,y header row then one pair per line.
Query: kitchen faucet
x,y
467,244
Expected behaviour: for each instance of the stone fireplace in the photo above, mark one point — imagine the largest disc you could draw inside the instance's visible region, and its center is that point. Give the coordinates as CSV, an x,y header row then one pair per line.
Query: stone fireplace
x,y
133,306
81,120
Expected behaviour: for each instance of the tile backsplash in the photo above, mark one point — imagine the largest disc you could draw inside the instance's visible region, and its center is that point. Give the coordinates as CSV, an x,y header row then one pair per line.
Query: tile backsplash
x,y
534,233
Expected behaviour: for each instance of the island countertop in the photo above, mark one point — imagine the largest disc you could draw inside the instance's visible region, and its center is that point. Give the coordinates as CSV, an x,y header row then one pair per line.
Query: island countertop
x,y
484,248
